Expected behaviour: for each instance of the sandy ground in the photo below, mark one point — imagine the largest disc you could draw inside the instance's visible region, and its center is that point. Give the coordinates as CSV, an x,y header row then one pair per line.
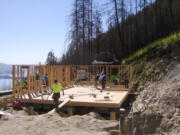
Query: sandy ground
x,y
53,124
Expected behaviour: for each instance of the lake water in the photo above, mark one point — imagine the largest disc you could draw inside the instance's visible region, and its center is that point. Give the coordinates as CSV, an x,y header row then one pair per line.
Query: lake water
x,y
5,84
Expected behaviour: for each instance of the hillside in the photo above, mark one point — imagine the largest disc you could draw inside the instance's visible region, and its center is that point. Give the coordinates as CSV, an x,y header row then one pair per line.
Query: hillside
x,y
5,68
127,31
156,110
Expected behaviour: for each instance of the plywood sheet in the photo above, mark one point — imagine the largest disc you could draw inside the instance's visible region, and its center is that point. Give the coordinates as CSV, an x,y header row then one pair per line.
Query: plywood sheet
x,y
87,96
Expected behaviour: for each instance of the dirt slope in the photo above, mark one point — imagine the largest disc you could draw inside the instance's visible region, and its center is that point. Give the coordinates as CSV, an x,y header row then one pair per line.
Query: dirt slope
x,y
53,124
156,110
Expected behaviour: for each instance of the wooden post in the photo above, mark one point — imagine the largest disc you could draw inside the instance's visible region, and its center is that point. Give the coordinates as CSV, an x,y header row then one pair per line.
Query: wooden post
x,y
31,110
14,79
32,81
70,111
52,79
29,82
21,89
107,77
18,89
67,75
110,73
112,115
34,84
60,74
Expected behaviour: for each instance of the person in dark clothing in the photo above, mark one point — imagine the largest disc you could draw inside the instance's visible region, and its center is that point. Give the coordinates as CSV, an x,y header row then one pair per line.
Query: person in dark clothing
x,y
46,80
103,80
97,78
37,75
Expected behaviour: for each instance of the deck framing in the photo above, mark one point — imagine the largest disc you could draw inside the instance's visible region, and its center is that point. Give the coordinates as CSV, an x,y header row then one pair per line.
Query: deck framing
x,y
67,76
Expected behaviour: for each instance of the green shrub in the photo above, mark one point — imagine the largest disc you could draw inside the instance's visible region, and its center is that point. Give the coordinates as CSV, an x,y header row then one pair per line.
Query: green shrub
x,y
171,39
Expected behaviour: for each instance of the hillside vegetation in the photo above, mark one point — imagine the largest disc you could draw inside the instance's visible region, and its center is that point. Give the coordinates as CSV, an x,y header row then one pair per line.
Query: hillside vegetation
x,y
172,39
156,110
154,61
131,26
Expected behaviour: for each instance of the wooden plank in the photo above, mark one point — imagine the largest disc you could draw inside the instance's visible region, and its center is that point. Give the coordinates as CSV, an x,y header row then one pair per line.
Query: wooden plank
x,y
70,111
31,110
112,115
82,97
24,66
63,103
117,88
124,98
67,75
73,103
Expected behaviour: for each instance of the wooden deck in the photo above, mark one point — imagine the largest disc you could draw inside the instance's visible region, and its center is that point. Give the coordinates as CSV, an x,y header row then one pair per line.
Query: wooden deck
x,y
86,96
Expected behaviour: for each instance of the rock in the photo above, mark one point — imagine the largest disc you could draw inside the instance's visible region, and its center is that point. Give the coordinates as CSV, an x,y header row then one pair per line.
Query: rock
x,y
157,70
165,47
152,122
147,65
166,124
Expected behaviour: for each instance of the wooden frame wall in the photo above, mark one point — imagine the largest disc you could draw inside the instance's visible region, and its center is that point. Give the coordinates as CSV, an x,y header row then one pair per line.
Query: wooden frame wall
x,y
63,73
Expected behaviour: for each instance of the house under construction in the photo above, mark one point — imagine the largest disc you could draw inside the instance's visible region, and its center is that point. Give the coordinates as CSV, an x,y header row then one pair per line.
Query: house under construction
x,y
78,83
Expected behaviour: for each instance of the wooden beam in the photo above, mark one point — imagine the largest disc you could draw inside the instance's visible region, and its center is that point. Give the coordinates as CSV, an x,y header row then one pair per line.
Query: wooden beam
x,y
28,80
117,88
51,77
107,75
18,87
14,79
131,77
74,103
31,110
67,75
21,92
70,111
112,115
32,80
34,83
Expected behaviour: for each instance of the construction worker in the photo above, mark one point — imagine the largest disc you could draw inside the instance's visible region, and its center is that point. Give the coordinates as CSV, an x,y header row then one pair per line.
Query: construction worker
x,y
46,80
102,78
96,78
57,87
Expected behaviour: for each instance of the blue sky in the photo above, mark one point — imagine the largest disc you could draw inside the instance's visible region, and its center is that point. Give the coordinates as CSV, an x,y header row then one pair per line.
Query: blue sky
x,y
29,29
